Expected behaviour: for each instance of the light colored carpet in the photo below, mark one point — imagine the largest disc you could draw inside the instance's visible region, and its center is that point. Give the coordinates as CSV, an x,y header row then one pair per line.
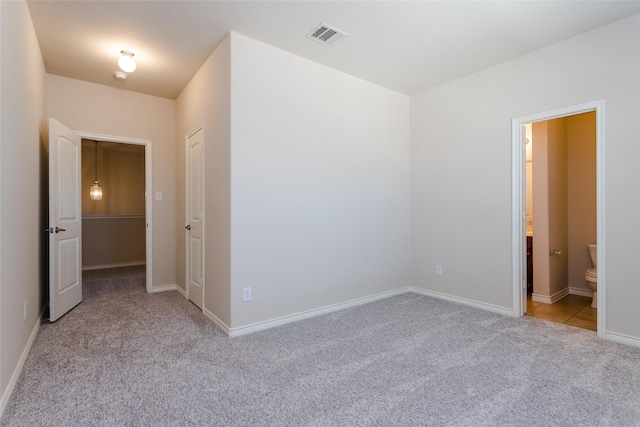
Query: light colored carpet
x,y
124,357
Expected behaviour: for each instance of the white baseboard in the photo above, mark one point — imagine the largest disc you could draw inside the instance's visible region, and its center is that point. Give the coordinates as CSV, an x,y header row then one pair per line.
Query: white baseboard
x,y
255,327
181,291
116,265
476,304
550,299
16,372
219,323
580,291
622,339
163,288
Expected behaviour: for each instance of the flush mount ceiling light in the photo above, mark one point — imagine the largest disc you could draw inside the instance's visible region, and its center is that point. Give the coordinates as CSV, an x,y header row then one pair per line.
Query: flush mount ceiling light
x,y
126,61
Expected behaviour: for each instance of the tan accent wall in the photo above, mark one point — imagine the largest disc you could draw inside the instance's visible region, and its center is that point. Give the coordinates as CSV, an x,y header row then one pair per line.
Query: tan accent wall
x,y
111,241
121,174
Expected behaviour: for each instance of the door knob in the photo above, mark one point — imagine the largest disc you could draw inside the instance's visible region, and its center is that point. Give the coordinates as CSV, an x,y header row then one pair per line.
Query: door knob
x,y
58,229
188,227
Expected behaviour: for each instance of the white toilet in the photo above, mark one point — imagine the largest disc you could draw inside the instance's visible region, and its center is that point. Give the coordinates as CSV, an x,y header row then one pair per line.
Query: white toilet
x,y
591,275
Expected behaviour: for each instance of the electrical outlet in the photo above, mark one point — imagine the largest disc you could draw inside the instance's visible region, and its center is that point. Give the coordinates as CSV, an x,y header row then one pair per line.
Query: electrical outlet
x,y
246,294
25,311
438,270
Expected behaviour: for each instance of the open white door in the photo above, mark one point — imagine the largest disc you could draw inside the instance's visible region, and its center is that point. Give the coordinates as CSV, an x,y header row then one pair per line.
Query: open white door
x,y
195,226
65,220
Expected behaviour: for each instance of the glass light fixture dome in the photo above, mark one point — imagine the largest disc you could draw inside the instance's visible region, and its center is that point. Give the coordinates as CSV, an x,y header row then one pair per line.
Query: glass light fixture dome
x,y
126,61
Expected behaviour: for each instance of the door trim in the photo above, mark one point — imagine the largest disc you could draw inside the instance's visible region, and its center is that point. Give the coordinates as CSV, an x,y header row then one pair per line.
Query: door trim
x,y
148,204
518,234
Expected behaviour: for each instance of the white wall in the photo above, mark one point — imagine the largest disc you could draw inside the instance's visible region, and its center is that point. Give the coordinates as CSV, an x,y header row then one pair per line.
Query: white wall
x,y
461,166
206,100
320,185
22,114
89,107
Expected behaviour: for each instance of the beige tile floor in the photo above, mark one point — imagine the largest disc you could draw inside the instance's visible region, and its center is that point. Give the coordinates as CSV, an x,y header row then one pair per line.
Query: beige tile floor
x,y
573,310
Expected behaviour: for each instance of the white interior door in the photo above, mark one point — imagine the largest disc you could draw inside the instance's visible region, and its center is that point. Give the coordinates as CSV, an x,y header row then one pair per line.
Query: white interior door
x,y
195,218
65,220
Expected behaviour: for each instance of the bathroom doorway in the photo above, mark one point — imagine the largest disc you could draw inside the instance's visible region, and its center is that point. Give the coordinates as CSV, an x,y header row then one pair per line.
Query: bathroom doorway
x,y
561,207
558,205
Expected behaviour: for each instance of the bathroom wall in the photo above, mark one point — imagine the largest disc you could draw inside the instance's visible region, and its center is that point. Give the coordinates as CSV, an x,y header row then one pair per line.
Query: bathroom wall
x,y
550,210
558,213
113,229
581,172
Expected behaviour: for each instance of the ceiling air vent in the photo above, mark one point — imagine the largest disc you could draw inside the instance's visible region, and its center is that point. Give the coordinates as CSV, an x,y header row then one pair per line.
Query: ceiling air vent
x,y
326,34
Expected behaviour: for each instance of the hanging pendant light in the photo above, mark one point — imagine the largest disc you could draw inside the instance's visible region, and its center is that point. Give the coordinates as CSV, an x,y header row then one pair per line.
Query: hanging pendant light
x,y
96,189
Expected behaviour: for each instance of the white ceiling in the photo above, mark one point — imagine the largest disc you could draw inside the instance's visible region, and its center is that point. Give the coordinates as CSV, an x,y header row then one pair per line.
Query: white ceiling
x,y
405,46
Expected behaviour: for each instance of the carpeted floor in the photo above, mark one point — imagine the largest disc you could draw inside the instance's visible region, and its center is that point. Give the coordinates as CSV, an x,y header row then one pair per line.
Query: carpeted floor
x,y
127,358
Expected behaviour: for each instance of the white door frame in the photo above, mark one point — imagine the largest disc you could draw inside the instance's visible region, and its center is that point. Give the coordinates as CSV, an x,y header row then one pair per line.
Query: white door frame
x,y
147,191
189,134
518,214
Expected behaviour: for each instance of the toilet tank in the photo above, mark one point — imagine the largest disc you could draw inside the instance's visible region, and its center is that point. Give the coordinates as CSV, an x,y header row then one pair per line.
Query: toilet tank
x,y
593,253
